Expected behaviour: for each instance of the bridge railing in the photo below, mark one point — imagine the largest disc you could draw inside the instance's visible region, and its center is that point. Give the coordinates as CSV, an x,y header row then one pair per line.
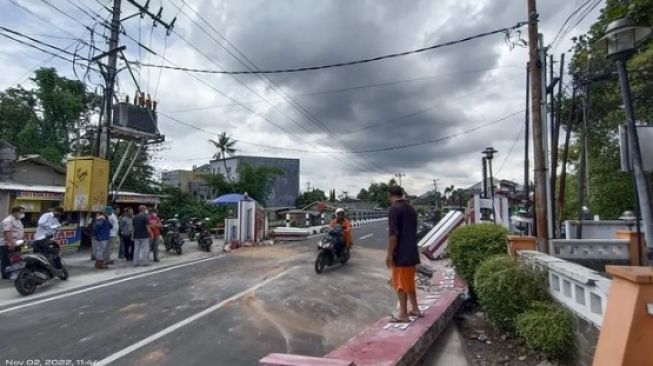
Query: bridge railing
x,y
582,290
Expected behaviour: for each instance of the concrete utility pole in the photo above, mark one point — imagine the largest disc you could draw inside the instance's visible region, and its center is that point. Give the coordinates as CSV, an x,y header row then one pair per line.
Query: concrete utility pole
x,y
110,79
435,191
527,198
536,109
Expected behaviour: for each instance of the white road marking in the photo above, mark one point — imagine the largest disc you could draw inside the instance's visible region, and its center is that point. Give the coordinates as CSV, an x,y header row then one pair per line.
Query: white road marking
x,y
366,236
144,342
87,289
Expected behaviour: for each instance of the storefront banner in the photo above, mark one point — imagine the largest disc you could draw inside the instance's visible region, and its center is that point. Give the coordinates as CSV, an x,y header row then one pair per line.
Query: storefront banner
x,y
42,196
66,236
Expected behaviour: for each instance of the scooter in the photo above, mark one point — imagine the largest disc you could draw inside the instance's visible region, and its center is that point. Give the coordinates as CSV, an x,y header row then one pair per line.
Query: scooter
x,y
327,255
34,269
204,240
171,236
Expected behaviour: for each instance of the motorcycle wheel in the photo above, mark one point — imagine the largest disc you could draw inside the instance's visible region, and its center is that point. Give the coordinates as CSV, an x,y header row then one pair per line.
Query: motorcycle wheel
x,y
345,258
178,250
64,273
320,262
24,284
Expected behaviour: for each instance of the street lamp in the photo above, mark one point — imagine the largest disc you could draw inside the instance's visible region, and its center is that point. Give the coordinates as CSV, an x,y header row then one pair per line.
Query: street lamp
x,y
489,154
628,218
619,42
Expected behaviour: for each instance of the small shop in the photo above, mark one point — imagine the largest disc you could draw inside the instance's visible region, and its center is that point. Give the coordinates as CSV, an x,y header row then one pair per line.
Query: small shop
x,y
38,200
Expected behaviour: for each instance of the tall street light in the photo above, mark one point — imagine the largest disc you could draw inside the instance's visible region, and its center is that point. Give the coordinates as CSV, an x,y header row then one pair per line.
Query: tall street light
x,y
619,42
489,154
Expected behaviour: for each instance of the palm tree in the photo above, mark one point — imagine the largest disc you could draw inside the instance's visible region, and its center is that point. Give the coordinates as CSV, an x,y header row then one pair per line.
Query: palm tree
x,y
449,191
225,146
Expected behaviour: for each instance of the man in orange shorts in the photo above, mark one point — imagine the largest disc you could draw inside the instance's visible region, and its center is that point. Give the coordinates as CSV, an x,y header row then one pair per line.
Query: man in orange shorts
x,y
403,254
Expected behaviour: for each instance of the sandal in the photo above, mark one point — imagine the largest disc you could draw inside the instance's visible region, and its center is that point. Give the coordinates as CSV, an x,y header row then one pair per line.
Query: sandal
x,y
394,319
416,315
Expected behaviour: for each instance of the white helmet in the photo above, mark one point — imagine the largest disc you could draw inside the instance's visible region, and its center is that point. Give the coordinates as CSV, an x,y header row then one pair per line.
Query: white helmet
x,y
340,210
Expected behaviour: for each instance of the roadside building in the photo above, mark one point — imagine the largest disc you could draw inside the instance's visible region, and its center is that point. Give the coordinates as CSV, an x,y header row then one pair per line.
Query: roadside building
x,y
188,181
284,190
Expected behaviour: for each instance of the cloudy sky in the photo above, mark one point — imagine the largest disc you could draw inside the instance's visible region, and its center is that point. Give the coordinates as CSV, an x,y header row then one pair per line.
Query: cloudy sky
x,y
325,117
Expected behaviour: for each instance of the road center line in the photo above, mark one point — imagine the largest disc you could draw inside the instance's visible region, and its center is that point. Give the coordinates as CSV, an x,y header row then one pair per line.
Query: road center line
x,y
144,342
107,284
366,236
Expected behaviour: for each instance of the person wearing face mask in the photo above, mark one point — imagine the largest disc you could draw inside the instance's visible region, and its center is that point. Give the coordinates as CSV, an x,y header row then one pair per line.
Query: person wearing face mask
x,y
48,222
12,231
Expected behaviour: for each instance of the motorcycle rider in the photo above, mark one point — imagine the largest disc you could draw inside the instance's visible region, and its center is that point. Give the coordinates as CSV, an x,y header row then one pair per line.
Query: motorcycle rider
x,y
344,241
48,222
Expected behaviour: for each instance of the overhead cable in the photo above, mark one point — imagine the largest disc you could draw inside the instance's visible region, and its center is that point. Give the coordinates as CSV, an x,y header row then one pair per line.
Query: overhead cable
x,y
340,64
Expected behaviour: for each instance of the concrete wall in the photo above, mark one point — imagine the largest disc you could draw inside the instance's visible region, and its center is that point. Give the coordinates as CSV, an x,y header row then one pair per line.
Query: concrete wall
x,y
29,173
5,197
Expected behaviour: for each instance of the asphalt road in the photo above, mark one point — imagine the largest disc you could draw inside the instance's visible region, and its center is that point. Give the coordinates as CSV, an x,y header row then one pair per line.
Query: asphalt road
x,y
229,310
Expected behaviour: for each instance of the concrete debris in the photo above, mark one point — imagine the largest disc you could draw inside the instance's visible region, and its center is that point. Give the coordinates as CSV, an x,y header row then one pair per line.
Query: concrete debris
x,y
482,338
522,358
423,270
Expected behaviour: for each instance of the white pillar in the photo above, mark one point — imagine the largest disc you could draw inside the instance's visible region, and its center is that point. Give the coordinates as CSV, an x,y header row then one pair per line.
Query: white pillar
x,y
287,220
322,219
308,219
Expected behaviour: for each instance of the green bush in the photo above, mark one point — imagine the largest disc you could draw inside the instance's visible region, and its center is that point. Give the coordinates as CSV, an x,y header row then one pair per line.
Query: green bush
x,y
470,245
546,328
505,289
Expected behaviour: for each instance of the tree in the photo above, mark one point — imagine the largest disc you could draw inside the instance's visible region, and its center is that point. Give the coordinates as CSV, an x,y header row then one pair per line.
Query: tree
x,y
610,191
177,202
363,194
306,198
225,146
256,181
332,195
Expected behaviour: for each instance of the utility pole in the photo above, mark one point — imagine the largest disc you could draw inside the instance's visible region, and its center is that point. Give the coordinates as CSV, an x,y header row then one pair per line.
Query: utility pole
x,y
536,109
400,175
435,191
109,71
527,198
308,186
555,136
110,80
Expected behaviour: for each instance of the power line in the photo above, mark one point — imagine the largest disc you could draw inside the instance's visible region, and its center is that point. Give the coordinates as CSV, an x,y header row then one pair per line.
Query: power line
x,y
346,89
340,64
568,19
36,47
510,151
61,50
579,19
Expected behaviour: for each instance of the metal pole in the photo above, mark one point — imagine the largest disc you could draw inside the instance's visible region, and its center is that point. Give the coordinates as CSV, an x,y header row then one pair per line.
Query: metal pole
x,y
565,154
494,211
526,136
484,186
105,135
119,168
546,144
131,164
555,137
536,109
638,168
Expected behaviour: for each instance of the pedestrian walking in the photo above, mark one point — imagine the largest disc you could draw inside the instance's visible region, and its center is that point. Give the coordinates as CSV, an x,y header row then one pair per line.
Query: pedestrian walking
x,y
142,237
12,231
155,226
113,234
127,234
101,235
403,255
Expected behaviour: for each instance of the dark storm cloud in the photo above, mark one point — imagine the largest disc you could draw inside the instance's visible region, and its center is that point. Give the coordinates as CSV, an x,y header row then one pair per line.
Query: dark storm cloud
x,y
287,34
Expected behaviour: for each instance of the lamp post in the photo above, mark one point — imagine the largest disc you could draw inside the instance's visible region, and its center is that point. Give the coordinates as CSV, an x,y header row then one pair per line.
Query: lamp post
x,y
619,42
489,155
628,217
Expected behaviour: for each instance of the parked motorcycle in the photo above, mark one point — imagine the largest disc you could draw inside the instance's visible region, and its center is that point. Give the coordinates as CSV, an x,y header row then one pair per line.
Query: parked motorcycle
x,y
171,236
33,269
327,255
204,239
193,228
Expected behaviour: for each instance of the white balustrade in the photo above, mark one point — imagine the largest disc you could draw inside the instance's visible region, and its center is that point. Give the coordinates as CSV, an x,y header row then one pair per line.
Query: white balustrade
x,y
582,290
597,249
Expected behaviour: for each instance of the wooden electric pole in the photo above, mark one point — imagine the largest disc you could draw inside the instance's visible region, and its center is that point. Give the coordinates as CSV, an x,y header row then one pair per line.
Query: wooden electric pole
x,y
536,110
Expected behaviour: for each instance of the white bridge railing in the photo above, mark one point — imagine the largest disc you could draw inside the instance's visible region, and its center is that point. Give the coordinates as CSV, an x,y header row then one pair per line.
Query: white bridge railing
x,y
582,290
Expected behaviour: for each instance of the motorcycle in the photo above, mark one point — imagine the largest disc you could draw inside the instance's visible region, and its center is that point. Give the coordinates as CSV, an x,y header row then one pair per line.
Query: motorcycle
x,y
327,255
204,239
33,269
172,237
193,228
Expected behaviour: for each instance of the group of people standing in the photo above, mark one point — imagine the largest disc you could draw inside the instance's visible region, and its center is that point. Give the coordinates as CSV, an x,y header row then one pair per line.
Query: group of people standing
x,y
137,235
